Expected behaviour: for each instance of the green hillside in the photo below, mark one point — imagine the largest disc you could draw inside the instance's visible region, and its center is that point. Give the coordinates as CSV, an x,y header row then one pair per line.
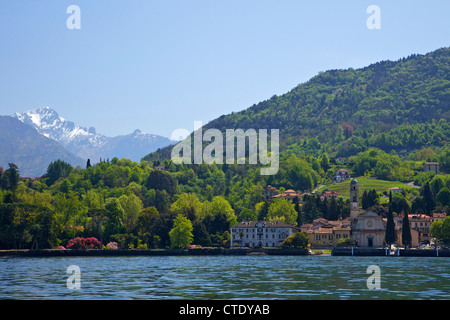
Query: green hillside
x,y
396,106
365,184
385,120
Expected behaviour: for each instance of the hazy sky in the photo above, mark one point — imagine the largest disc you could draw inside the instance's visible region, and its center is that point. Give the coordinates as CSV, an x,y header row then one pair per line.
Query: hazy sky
x,y
161,65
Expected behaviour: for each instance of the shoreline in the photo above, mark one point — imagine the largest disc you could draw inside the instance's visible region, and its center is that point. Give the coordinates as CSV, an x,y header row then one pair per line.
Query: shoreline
x,y
382,252
357,252
151,252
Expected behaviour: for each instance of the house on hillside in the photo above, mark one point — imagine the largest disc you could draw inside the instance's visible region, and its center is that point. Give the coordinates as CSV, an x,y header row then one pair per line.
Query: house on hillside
x,y
329,195
288,194
431,166
438,216
341,175
270,192
396,190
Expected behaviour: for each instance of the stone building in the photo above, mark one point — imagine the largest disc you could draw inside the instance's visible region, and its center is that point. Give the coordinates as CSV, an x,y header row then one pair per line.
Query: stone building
x,y
367,228
431,166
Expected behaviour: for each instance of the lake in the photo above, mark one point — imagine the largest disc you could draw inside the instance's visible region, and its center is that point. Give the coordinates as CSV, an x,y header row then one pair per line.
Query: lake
x,y
225,277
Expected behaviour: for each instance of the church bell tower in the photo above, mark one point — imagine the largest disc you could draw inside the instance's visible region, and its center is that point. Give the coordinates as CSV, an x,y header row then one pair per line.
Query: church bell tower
x,y
354,199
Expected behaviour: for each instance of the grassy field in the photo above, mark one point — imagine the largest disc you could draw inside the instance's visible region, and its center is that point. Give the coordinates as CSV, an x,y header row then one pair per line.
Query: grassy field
x,y
365,183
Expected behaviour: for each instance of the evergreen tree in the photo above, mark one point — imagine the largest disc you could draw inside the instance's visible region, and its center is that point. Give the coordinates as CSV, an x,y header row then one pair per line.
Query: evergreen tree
x,y
428,198
406,230
325,162
11,177
365,200
298,210
56,170
201,235
88,163
390,235
333,210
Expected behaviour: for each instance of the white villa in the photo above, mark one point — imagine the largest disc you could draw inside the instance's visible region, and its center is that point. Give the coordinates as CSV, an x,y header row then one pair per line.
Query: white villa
x,y
260,233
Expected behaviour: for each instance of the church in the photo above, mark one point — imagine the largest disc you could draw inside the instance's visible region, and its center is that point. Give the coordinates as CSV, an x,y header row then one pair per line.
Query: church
x,y
367,228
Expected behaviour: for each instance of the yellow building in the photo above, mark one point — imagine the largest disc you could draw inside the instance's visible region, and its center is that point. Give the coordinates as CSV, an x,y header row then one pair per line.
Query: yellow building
x,y
327,235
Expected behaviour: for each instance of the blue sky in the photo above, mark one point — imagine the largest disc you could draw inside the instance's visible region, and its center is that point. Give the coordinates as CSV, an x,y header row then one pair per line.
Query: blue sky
x,y
160,65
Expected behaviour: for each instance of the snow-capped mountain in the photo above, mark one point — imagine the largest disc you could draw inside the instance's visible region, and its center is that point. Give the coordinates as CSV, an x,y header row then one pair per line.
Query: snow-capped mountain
x,y
30,151
87,143
47,122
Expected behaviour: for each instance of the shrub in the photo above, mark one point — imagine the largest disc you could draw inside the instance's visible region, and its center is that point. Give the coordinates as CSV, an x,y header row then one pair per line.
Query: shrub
x,y
112,246
345,242
84,243
298,240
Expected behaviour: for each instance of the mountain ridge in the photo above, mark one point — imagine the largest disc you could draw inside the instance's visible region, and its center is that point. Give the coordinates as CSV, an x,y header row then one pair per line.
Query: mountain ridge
x,y
31,151
338,110
87,143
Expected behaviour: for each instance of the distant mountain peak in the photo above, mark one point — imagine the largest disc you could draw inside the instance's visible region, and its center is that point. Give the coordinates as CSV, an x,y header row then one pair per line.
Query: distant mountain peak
x,y
48,122
87,143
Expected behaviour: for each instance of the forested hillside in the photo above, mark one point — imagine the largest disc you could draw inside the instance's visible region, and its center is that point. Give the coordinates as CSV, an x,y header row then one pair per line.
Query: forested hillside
x,y
391,105
385,120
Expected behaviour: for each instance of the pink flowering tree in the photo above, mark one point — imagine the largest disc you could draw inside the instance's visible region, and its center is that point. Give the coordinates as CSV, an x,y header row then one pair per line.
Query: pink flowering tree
x,y
84,243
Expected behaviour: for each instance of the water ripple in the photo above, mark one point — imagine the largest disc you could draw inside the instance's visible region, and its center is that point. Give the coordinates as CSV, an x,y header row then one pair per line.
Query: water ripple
x,y
224,277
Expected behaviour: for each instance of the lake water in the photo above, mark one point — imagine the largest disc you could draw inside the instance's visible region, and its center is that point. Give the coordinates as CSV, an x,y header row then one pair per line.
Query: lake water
x,y
225,277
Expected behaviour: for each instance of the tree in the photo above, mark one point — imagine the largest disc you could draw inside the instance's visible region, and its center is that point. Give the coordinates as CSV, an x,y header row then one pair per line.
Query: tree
x,y
88,163
115,217
443,196
309,208
220,205
160,180
56,170
98,216
399,203
390,235
145,226
131,206
325,162
201,235
428,198
332,210
406,230
181,233
298,210
435,230
298,240
348,130
282,209
187,204
10,178
364,201
441,230
262,209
